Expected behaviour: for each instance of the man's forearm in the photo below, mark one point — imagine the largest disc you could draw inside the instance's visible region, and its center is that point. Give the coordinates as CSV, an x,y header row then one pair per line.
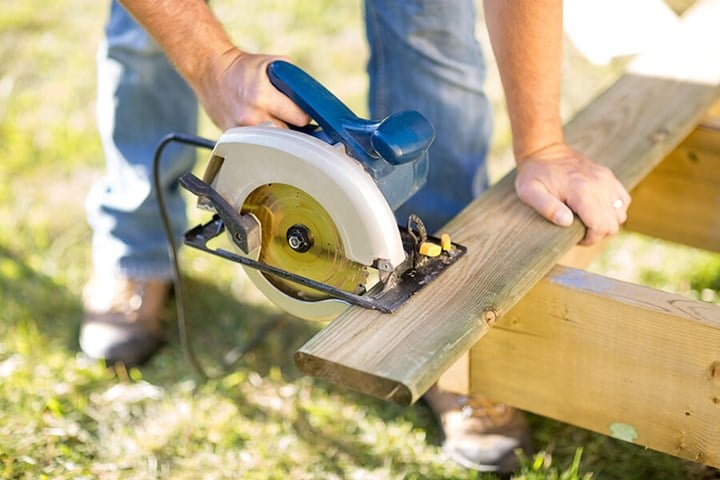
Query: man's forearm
x,y
526,36
188,32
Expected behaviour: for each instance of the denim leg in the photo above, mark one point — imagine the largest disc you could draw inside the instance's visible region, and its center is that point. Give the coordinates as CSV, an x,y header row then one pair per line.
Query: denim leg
x,y
140,99
425,57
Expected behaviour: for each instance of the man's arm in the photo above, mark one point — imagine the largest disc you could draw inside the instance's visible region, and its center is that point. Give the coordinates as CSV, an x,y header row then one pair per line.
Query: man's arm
x,y
232,85
526,36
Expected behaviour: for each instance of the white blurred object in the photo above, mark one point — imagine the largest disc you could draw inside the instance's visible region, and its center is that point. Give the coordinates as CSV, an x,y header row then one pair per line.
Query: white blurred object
x,y
604,29
690,56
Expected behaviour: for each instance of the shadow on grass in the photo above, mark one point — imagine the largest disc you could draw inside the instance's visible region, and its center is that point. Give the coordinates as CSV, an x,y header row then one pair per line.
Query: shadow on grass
x,y
226,335
219,323
265,339
32,300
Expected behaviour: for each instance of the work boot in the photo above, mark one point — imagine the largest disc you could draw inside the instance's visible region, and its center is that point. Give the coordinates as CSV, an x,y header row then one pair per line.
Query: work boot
x,y
123,319
478,433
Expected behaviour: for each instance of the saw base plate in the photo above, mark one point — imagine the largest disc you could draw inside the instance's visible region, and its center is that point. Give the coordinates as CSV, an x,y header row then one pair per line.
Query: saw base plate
x,y
386,297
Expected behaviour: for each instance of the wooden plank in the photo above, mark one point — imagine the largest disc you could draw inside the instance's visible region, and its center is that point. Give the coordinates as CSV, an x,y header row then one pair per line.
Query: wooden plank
x,y
580,256
713,118
616,358
457,377
680,200
629,128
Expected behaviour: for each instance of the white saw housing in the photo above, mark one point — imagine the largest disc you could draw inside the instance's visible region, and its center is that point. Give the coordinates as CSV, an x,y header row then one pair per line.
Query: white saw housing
x,y
246,158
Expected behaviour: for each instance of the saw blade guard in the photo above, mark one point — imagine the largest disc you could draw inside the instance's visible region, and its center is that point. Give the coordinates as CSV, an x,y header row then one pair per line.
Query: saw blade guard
x,y
247,158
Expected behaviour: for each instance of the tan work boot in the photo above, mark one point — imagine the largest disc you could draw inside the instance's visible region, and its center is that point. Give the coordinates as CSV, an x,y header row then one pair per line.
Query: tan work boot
x,y
478,433
123,319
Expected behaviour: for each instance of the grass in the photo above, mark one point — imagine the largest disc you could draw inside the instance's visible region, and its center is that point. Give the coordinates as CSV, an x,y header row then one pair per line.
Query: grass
x,y
62,416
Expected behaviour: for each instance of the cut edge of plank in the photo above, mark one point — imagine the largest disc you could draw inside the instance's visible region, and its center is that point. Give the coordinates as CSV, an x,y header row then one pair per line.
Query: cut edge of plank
x,y
364,382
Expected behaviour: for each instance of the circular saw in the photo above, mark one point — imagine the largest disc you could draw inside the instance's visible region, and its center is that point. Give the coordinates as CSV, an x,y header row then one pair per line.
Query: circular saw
x,y
309,211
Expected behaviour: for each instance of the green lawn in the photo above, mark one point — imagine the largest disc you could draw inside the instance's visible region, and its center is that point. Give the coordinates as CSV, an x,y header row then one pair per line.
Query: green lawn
x,y
62,416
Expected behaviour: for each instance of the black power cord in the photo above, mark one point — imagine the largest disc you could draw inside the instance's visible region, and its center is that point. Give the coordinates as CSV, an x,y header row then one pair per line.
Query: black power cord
x,y
232,356
194,141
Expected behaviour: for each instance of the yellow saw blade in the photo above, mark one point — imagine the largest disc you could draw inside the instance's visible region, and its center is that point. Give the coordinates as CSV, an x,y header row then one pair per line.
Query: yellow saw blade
x,y
299,236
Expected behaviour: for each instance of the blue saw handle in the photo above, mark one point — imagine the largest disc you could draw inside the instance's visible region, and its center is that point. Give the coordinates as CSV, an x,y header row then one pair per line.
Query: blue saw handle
x,y
400,138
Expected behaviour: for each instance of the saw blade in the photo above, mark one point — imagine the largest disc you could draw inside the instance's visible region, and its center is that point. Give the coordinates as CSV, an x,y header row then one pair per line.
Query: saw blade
x,y
298,235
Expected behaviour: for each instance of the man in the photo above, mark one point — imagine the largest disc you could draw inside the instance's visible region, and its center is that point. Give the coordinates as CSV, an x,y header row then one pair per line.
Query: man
x,y
424,57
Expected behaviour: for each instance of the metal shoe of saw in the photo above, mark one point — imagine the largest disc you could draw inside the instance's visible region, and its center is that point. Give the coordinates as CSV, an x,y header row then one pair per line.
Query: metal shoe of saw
x,y
310,211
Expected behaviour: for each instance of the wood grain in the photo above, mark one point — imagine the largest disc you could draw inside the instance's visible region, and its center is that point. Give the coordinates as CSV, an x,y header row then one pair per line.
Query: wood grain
x,y
680,200
604,354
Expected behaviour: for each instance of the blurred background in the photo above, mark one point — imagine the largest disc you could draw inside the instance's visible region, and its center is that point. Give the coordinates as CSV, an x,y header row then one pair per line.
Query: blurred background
x,y
62,416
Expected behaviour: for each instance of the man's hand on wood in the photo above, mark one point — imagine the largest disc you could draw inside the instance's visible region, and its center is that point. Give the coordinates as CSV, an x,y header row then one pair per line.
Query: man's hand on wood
x,y
557,181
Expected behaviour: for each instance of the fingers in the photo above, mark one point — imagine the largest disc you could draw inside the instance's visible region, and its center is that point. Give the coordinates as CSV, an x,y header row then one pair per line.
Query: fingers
x,y
621,204
602,208
560,181
535,194
279,106
241,94
260,101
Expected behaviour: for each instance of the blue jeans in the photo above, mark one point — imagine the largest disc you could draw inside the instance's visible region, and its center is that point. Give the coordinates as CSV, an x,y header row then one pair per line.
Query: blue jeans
x,y
140,99
423,57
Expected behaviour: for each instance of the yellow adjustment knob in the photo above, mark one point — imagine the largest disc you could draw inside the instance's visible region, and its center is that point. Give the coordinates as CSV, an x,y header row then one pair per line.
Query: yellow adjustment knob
x,y
445,242
430,249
